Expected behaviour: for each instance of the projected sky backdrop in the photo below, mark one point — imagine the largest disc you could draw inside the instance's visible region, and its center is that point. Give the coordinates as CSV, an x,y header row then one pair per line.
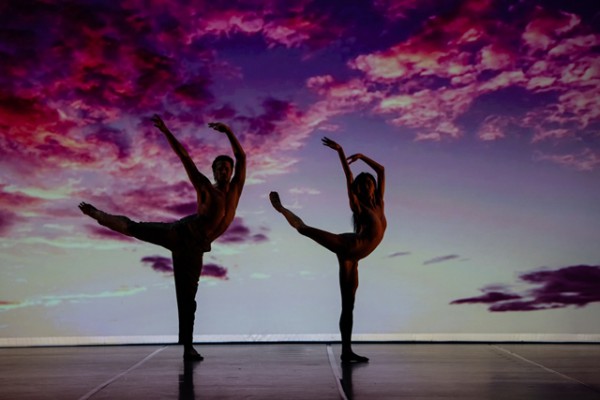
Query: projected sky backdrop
x,y
484,113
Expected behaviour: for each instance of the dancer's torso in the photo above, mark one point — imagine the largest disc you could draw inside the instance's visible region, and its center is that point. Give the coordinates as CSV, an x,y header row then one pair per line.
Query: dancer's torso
x,y
215,214
371,225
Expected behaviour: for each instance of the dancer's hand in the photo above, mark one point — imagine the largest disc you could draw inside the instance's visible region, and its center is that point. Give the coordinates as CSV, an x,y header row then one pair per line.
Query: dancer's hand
x,y
219,127
354,157
159,123
330,143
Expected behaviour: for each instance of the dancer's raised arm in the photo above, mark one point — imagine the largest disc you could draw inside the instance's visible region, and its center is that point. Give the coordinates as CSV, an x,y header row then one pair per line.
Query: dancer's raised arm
x,y
354,204
378,168
199,181
239,175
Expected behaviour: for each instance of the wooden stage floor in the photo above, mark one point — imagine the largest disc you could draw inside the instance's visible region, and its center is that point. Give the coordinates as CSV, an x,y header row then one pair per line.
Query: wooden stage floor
x,y
304,371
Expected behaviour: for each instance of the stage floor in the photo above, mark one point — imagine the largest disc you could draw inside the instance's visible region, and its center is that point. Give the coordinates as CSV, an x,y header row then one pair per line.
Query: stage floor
x,y
304,371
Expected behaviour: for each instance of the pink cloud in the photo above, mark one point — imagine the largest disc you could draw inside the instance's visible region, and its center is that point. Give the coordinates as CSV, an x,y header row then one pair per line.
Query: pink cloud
x,y
21,113
303,29
295,24
102,71
80,81
541,32
495,57
548,134
105,137
464,55
16,200
13,205
156,201
579,106
229,22
493,128
586,160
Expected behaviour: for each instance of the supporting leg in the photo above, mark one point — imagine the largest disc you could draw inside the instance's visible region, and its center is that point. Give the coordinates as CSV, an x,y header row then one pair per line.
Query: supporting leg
x,y
186,269
348,286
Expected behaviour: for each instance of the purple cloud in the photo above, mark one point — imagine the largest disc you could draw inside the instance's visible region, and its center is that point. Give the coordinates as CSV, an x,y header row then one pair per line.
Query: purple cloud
x,y
238,232
214,271
159,263
440,259
184,208
488,298
165,265
399,253
111,137
195,92
225,112
577,285
274,112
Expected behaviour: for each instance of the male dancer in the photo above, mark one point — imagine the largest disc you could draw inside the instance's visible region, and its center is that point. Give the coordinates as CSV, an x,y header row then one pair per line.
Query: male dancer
x,y
191,236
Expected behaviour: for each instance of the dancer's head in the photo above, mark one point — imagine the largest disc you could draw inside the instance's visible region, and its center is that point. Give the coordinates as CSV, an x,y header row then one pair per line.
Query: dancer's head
x,y
364,186
222,168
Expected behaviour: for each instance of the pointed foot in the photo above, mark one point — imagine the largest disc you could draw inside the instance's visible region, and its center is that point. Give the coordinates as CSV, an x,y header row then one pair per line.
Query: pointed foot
x,y
275,201
89,210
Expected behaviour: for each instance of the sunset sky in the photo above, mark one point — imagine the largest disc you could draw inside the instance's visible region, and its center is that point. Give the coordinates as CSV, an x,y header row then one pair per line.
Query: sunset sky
x,y
484,113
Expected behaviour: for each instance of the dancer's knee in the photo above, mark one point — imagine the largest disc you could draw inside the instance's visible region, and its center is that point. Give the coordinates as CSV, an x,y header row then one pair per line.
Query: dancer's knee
x,y
304,230
129,227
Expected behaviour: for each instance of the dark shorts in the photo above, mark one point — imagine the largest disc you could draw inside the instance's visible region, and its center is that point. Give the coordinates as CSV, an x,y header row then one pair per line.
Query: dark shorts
x,y
184,235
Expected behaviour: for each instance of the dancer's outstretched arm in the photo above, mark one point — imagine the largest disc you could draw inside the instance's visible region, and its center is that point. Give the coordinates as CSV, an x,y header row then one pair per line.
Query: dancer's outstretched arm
x,y
354,204
378,168
239,173
201,183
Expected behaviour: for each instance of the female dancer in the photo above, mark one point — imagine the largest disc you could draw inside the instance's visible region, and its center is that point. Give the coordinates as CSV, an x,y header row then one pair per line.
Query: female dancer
x,y
366,202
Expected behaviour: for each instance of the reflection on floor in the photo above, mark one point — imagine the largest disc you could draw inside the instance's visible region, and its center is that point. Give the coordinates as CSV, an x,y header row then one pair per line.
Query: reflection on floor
x,y
304,371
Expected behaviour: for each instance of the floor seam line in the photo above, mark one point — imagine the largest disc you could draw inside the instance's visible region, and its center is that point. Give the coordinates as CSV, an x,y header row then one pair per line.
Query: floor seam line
x,y
336,372
116,377
567,377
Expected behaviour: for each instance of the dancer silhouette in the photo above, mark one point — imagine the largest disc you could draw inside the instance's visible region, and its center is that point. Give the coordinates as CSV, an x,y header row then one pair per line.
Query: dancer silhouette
x,y
190,237
366,202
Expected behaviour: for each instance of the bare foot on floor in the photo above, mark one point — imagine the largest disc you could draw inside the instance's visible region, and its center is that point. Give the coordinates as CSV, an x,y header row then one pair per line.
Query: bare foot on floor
x,y
190,354
352,357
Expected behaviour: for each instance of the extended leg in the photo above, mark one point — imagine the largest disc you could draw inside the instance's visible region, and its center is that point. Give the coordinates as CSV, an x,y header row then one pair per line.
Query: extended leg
x,y
159,233
348,286
291,218
337,243
117,223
